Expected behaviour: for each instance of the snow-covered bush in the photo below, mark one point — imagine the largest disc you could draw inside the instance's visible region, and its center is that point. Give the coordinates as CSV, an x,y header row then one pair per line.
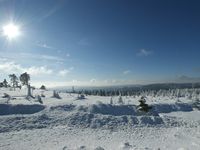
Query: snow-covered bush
x,y
120,100
56,95
39,99
111,100
42,93
5,95
43,87
196,103
81,96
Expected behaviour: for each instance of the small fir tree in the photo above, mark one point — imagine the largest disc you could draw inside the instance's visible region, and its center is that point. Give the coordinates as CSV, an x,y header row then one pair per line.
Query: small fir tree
x,y
143,106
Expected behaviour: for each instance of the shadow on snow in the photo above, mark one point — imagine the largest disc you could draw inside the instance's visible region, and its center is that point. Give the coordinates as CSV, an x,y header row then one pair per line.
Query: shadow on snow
x,y
8,109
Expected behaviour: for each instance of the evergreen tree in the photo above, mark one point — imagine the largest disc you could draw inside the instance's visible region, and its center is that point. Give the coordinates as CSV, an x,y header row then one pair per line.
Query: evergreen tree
x,y
13,80
24,78
43,87
5,83
143,106
120,100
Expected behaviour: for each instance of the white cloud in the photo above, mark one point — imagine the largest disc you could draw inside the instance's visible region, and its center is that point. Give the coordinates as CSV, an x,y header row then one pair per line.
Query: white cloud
x,y
74,81
39,70
44,45
12,67
65,72
49,57
126,72
42,57
106,81
144,52
93,80
113,81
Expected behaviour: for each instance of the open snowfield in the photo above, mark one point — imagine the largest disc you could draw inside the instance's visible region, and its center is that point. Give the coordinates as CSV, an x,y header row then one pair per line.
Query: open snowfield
x,y
95,124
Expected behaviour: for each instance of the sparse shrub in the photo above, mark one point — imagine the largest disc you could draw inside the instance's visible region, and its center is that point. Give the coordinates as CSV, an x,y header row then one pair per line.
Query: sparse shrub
x,y
178,100
196,103
5,95
56,95
111,100
81,96
42,95
39,99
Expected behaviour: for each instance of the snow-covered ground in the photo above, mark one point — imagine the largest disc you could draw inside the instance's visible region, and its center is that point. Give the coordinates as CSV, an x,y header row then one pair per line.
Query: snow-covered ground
x,y
95,124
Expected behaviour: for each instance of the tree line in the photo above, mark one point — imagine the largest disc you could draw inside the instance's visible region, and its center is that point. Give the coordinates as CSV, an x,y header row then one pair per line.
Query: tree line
x,y
18,82
190,93
15,81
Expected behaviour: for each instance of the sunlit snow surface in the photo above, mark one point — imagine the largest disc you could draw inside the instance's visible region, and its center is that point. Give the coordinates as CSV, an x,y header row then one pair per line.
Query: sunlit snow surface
x,y
94,124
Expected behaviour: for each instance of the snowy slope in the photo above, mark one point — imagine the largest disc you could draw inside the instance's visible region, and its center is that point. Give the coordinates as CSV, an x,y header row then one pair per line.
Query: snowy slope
x,y
94,123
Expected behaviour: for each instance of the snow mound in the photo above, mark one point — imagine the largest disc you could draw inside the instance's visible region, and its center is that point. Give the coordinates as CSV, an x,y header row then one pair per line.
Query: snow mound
x,y
167,108
105,116
111,116
62,108
86,120
17,123
8,109
114,110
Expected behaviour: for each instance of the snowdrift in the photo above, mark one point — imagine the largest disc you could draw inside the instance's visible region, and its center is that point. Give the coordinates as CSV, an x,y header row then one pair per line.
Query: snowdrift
x,y
167,108
111,116
62,107
111,122
27,122
114,110
8,109
99,115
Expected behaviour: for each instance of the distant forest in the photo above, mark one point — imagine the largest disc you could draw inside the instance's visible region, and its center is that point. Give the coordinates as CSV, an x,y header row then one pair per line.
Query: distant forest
x,y
154,89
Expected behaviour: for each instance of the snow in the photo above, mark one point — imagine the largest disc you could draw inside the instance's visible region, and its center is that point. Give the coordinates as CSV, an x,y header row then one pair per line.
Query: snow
x,y
7,109
93,123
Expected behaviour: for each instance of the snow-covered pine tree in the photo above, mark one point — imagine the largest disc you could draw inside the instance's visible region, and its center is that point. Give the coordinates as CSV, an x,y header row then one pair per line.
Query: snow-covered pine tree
x,y
143,106
120,100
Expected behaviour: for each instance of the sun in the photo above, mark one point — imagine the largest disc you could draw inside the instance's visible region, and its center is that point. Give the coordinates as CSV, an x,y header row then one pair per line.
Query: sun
x,y
11,31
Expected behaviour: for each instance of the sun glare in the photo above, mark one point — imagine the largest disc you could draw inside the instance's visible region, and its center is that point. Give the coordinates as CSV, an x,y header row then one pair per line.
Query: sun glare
x,y
11,31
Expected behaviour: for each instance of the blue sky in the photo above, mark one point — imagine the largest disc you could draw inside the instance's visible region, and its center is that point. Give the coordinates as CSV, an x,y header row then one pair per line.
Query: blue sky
x,y
102,42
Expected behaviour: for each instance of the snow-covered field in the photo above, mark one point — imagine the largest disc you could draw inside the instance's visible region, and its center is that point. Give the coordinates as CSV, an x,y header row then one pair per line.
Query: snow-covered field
x,y
95,124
